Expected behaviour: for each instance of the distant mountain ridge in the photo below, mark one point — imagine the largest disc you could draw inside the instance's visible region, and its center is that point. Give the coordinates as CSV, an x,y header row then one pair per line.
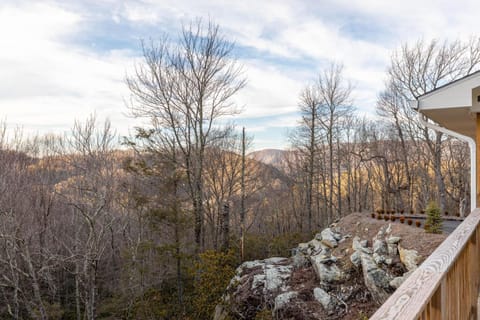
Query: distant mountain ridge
x,y
273,157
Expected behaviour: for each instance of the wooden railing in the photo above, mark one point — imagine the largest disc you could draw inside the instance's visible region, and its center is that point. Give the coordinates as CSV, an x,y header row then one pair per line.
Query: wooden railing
x,y
446,284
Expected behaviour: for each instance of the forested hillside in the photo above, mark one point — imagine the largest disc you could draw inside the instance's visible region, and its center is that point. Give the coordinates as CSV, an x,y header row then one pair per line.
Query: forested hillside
x,y
153,225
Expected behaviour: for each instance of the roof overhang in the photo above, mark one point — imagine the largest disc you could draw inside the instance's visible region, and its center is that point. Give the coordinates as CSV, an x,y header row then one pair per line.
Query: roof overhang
x,y
454,105
458,119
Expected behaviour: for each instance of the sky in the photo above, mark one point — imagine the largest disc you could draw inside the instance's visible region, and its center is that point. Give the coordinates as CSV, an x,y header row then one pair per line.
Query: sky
x,y
64,60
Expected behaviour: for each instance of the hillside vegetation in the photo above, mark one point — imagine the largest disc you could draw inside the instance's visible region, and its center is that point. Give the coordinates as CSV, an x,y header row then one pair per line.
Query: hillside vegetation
x,y
154,226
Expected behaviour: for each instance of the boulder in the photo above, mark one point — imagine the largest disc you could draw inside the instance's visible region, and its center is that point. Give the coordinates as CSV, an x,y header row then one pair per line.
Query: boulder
x,y
329,238
283,299
380,247
276,277
255,283
356,244
248,265
325,269
360,245
302,247
366,250
327,301
379,259
258,281
356,259
393,240
409,258
337,236
326,259
300,260
314,247
380,233
344,238
376,280
276,260
392,249
383,232
397,281
272,276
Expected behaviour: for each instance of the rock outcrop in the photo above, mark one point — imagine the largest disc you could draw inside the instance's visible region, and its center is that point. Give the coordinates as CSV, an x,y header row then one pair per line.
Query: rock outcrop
x,y
409,258
325,277
327,301
376,279
326,269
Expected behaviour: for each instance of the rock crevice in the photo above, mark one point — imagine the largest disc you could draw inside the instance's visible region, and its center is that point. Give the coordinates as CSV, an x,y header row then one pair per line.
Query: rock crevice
x,y
325,277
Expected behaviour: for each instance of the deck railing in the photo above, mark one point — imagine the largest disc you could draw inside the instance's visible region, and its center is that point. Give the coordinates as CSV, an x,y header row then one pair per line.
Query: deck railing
x,y
446,284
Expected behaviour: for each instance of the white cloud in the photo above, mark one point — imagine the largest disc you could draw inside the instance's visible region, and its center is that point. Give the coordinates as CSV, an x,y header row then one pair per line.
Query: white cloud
x,y
269,91
47,82
290,30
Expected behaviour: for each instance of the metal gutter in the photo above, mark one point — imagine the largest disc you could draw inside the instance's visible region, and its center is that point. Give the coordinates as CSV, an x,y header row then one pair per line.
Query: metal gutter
x,y
473,153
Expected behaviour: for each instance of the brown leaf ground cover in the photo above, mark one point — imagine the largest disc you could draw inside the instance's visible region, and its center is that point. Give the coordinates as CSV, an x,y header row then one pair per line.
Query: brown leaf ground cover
x,y
359,304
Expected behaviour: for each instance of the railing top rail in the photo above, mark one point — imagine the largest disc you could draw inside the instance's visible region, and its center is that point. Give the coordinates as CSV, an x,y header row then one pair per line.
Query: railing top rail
x,y
408,301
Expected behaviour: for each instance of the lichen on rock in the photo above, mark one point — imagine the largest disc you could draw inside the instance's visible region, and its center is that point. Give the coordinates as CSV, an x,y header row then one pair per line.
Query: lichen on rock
x,y
330,276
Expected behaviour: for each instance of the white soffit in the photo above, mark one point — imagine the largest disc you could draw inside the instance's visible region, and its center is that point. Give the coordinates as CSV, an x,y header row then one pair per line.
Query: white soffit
x,y
455,94
460,120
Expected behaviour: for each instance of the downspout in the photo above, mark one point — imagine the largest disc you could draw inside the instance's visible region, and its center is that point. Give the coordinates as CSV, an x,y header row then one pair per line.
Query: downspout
x,y
473,154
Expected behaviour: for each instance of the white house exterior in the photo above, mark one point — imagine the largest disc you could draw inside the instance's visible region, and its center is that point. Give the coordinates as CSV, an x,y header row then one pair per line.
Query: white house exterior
x,y
455,110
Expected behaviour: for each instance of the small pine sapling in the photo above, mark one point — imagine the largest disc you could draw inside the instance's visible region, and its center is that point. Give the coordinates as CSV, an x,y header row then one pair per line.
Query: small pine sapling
x,y
434,218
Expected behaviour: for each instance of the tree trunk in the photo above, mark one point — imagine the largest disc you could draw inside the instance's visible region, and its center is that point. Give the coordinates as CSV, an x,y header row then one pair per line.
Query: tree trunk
x,y
226,228
242,201
437,166
35,285
77,293
330,171
339,178
310,174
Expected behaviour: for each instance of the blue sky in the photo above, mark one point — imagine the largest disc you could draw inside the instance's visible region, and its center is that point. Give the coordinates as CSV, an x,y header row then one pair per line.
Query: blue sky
x,y
62,60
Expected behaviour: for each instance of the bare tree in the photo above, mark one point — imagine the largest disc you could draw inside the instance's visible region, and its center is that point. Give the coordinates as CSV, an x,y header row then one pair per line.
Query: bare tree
x,y
335,104
306,139
325,107
186,88
421,67
90,194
